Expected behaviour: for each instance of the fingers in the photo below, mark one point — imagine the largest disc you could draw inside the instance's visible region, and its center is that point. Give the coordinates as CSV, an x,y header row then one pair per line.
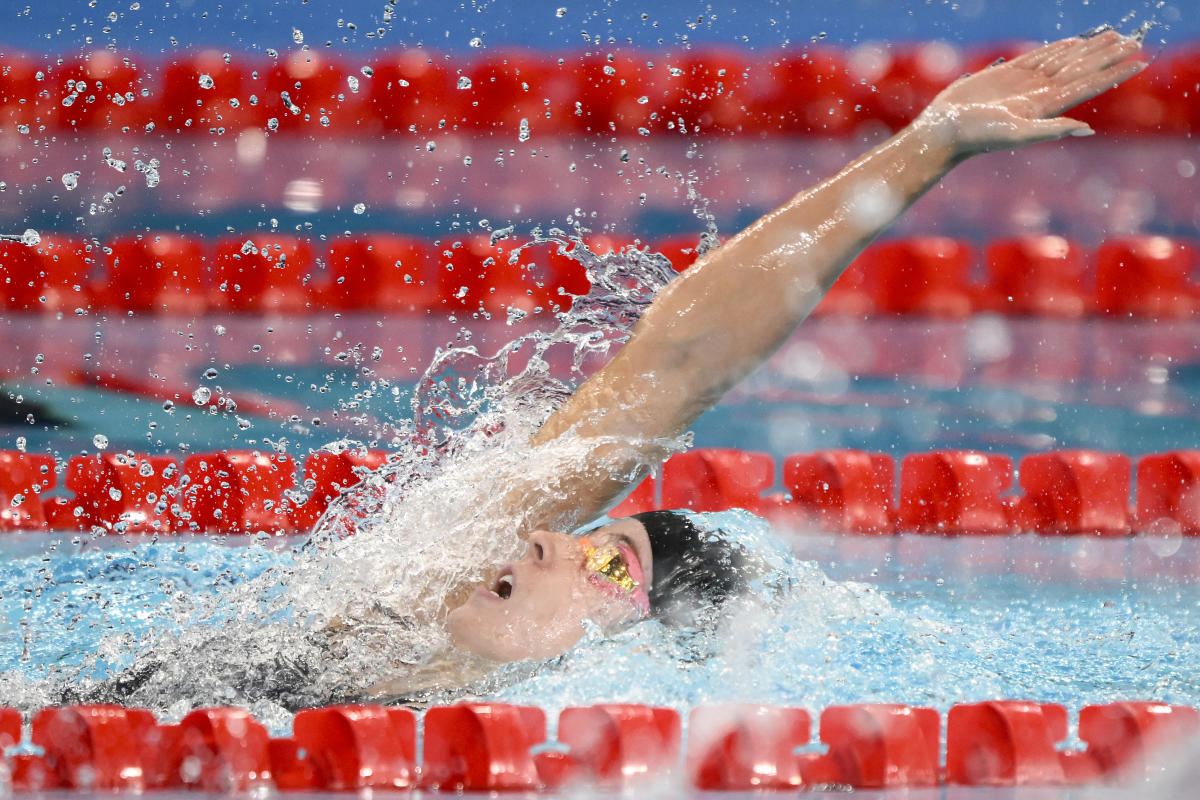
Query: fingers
x,y
1088,86
1099,59
1050,129
1079,49
1038,56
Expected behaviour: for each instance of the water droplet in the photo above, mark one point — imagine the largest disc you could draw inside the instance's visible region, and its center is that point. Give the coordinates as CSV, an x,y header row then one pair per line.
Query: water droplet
x,y
100,441
352,82
30,238
273,124
431,146
70,180
367,71
114,493
523,132
23,129
463,82
145,469
360,208
297,36
21,444
168,407
560,12
206,82
219,330
210,373
202,395
475,42
643,99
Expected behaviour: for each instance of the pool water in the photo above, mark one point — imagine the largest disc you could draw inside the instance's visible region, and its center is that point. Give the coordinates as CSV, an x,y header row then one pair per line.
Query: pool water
x,y
929,621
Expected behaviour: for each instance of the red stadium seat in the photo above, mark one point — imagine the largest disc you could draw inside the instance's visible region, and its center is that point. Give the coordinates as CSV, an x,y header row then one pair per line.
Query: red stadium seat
x,y
95,748
237,492
1168,492
807,92
319,99
1145,276
613,745
118,493
380,272
410,88
894,83
925,275
481,747
876,746
716,480
359,748
24,477
1074,492
842,490
216,750
1041,275
50,276
1005,743
263,273
742,748
231,98
330,474
160,273
101,91
1134,741
507,87
954,492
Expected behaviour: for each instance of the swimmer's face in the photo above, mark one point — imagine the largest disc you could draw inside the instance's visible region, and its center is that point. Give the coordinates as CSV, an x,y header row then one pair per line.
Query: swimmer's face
x,y
535,608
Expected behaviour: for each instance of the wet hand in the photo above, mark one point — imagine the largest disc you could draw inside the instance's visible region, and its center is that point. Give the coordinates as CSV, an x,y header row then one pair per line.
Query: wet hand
x,y
1019,102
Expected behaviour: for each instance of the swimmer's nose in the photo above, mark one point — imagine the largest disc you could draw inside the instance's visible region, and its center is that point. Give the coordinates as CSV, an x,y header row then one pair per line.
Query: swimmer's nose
x,y
545,547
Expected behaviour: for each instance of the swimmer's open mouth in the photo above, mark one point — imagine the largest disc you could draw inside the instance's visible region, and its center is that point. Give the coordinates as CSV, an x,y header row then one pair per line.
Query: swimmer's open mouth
x,y
504,584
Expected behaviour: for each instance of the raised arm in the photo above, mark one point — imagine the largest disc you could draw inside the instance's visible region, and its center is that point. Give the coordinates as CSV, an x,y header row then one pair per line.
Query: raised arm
x,y
724,316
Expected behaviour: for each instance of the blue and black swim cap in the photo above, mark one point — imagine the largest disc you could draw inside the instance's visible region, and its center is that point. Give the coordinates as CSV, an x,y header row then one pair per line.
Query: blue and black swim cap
x,y
695,571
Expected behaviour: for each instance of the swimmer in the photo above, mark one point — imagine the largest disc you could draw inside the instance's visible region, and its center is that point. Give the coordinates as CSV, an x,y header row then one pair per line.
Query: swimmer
x,y
411,618
716,323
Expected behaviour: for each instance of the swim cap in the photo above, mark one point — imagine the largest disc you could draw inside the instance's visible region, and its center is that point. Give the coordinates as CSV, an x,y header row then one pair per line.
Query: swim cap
x,y
695,571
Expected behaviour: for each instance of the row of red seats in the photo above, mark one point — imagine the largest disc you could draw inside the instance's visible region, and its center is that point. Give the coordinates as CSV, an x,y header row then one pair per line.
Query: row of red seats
x,y
490,747
814,91
948,492
172,273
958,492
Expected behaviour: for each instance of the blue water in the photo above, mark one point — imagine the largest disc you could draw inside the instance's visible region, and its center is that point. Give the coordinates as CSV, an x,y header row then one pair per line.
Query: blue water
x,y
921,620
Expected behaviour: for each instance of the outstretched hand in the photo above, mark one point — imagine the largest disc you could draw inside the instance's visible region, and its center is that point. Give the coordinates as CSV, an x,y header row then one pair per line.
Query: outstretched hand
x,y
1019,102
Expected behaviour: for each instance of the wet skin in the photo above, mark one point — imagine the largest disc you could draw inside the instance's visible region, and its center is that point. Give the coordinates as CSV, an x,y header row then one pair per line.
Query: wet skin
x,y
548,598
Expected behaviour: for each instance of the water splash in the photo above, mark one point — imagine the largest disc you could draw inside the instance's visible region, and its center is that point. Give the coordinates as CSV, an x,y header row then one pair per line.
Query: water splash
x,y
346,612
